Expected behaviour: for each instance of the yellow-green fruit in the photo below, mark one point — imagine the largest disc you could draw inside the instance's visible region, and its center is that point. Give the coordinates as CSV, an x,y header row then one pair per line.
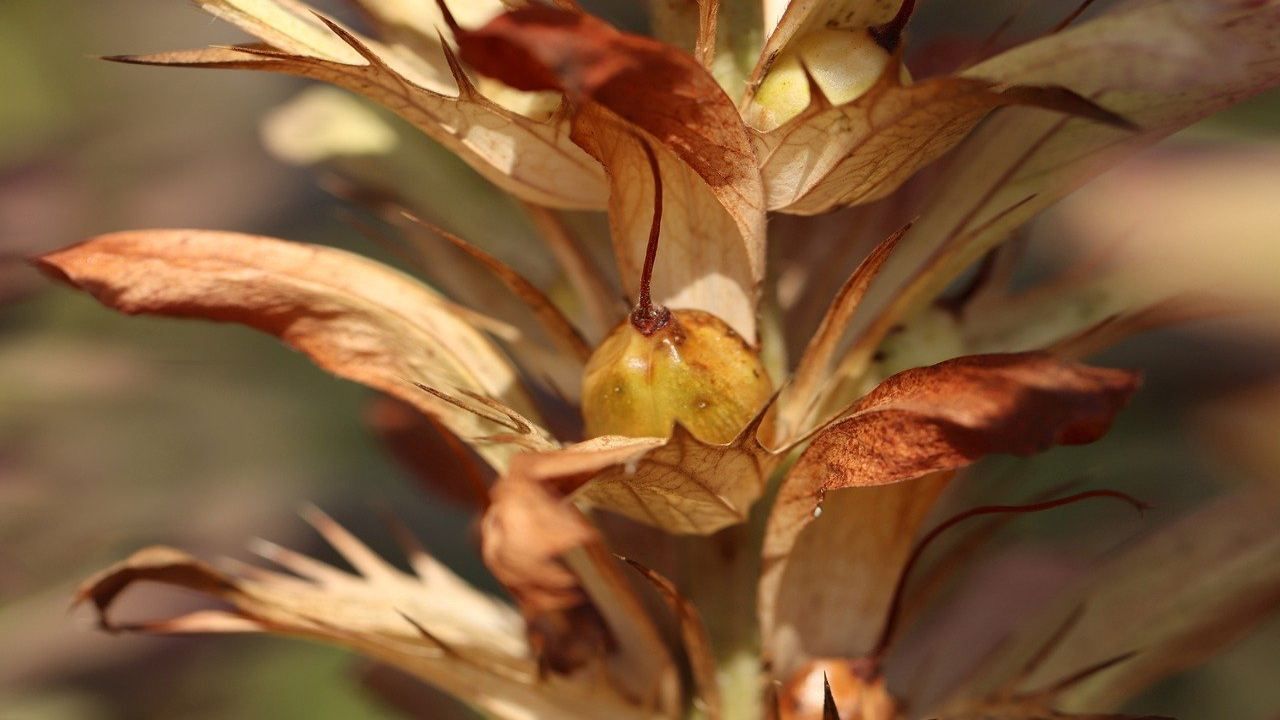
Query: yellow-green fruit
x,y
694,370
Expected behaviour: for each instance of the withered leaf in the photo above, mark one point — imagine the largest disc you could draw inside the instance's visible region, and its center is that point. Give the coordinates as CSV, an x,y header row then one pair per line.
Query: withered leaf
x,y
526,533
680,484
546,553
862,553
356,318
1175,597
533,159
861,151
430,624
921,421
557,326
625,90
1163,65
796,400
695,638
1196,58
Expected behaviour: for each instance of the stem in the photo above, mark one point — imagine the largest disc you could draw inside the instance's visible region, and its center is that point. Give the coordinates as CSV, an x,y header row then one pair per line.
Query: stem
x,y
889,35
646,318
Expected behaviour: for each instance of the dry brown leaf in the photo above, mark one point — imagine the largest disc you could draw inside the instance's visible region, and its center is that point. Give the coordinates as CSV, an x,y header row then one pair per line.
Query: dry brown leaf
x,y
680,484
557,326
1162,65
920,421
430,624
625,90
356,318
796,400
859,152
386,165
546,553
1176,598
526,533
840,602
696,640
532,159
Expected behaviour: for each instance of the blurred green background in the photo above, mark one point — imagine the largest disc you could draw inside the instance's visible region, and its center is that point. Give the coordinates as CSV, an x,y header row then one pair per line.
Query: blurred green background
x,y
120,432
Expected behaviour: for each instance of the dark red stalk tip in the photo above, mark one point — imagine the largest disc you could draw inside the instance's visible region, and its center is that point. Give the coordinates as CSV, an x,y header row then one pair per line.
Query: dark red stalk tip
x,y
889,35
646,318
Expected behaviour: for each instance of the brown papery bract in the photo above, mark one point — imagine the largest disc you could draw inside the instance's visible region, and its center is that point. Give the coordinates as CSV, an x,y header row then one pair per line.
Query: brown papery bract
x,y
356,318
921,421
629,96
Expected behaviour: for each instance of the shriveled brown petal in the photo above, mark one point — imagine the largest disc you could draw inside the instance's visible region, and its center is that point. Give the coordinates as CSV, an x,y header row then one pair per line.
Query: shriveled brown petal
x,y
680,484
861,151
569,588
1174,599
530,158
920,421
628,89
430,624
1162,65
525,534
356,318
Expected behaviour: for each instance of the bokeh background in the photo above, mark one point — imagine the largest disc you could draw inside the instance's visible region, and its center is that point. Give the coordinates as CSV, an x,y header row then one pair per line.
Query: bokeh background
x,y
120,432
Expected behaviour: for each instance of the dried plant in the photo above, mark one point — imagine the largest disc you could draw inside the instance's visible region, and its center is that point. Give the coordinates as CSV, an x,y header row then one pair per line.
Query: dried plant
x,y
770,512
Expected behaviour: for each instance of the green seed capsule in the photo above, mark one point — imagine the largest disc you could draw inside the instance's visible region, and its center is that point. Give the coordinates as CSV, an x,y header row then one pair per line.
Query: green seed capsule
x,y
694,370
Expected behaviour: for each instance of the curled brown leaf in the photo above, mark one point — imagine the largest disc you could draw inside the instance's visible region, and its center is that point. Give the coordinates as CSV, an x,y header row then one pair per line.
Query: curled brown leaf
x,y
430,624
861,151
580,608
531,158
356,318
922,421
